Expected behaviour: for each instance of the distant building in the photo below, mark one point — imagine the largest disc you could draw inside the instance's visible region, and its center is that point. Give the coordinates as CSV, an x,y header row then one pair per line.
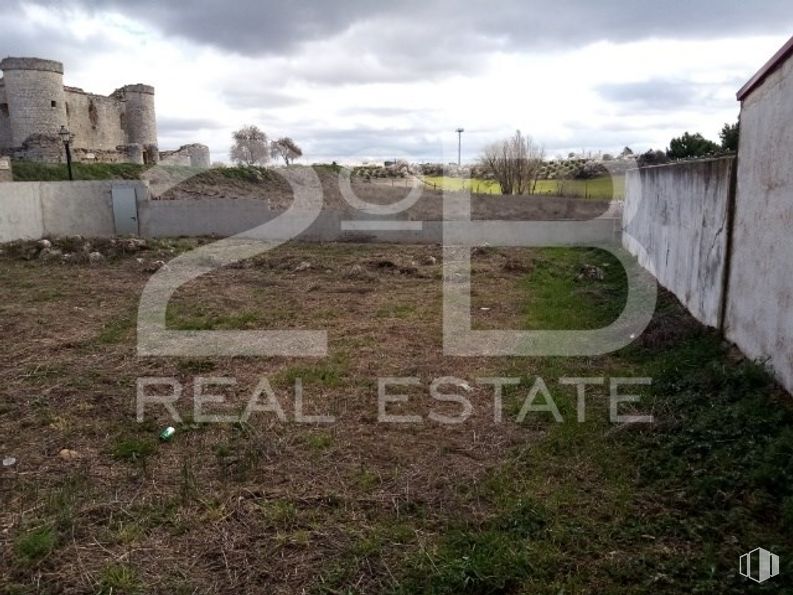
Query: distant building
x,y
121,127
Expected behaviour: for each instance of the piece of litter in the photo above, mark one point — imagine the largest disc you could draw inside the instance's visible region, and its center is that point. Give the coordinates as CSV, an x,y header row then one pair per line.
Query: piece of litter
x,y
167,433
485,309
9,462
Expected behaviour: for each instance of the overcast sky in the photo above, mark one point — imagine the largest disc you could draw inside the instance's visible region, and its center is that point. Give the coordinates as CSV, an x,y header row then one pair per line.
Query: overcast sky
x,y
355,79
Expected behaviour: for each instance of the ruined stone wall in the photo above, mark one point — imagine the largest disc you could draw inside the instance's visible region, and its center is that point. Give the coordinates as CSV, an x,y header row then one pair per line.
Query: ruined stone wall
x,y
121,127
96,121
5,122
195,155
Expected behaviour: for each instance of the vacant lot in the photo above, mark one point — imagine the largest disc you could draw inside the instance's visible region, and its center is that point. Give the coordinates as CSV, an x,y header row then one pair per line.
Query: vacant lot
x,y
604,188
357,506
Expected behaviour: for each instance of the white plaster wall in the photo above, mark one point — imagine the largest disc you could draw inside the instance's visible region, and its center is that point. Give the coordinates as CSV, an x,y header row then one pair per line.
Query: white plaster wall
x,y
31,210
760,297
72,208
224,217
20,211
674,222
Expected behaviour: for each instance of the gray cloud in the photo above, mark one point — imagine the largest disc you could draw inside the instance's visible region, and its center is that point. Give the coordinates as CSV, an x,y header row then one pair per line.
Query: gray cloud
x,y
255,27
17,39
664,95
175,125
247,97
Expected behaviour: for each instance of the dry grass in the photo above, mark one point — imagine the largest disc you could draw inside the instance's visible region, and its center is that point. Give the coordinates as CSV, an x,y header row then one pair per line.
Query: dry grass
x,y
268,506
223,507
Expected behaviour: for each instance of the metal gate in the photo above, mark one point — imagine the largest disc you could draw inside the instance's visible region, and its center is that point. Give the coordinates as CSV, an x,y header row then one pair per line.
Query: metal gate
x,y
125,210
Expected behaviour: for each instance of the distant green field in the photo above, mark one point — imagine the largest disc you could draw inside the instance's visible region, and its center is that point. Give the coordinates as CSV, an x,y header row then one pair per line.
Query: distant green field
x,y
604,188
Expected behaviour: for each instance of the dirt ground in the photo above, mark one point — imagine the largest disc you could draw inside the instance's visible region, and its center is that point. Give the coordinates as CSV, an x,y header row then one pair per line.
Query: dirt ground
x,y
95,503
271,187
199,510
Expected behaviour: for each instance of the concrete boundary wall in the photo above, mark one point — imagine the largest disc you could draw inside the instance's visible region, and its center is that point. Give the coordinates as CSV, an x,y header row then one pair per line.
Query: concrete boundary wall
x,y
31,210
759,305
674,222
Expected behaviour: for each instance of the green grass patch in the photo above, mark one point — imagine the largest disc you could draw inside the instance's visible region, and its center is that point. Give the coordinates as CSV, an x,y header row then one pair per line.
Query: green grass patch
x,y
318,440
119,578
30,171
185,317
116,330
562,295
133,449
668,507
603,188
33,546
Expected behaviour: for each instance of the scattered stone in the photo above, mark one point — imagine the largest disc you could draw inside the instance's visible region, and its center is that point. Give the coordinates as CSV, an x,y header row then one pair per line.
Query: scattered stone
x,y
384,264
429,260
303,266
51,254
153,267
135,245
590,272
66,454
69,257
357,272
45,244
9,462
95,257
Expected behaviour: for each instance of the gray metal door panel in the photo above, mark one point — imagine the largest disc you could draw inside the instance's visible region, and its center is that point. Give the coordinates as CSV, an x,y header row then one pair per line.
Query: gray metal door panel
x,y
125,210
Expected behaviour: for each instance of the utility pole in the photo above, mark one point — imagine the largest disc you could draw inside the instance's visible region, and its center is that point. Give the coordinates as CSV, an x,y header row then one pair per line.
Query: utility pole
x,y
459,145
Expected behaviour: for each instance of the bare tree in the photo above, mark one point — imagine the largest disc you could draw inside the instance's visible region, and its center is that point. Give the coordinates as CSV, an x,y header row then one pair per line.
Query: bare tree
x,y
286,148
250,146
515,163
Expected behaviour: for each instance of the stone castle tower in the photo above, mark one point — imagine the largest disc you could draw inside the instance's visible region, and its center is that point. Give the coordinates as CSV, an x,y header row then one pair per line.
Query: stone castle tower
x,y
34,104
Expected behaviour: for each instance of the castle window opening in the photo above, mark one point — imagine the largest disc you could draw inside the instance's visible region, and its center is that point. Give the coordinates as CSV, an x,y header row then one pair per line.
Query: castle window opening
x,y
53,103
4,109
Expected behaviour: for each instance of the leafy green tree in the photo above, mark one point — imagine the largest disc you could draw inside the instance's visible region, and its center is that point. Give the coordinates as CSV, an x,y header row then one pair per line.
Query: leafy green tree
x,y
690,146
729,136
652,158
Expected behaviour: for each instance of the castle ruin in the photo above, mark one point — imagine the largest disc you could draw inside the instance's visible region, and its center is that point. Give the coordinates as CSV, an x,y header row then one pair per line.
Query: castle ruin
x,y
121,127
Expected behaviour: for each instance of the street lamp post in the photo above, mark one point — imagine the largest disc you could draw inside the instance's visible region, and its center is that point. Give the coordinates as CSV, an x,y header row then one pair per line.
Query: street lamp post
x,y
67,138
459,145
